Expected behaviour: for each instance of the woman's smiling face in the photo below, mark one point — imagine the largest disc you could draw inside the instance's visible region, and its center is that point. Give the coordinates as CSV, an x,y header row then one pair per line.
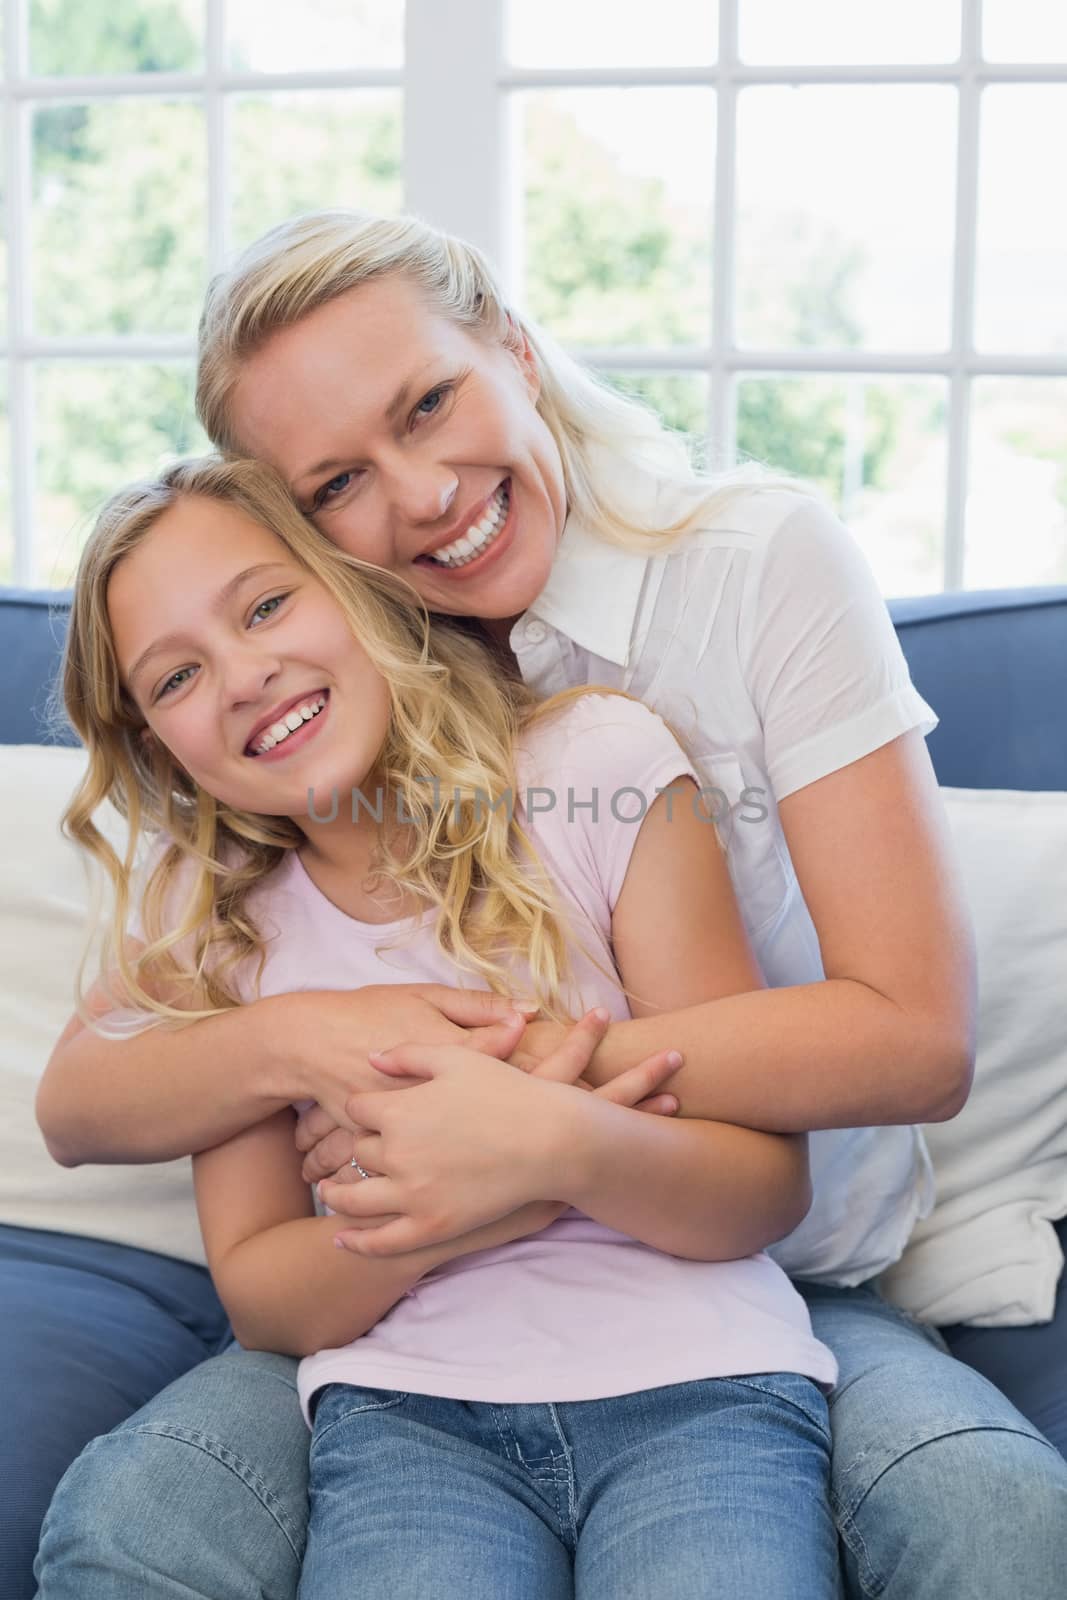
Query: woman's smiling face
x,y
243,664
413,444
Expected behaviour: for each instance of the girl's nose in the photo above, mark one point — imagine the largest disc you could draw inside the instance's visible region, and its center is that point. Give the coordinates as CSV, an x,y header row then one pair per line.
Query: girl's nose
x,y
249,673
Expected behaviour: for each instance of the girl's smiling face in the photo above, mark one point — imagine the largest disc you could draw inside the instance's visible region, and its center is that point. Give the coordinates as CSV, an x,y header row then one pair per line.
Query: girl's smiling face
x,y
221,635
413,444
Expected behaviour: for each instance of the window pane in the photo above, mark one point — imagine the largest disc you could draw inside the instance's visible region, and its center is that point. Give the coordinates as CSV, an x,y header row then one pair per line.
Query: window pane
x,y
7,533
845,216
1017,501
618,190
75,38
304,133
278,36
1021,301
1024,30
831,32
680,398
876,447
603,33
100,424
118,217
3,229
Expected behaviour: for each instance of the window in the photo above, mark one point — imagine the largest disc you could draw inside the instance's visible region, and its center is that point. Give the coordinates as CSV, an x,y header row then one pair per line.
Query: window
x,y
819,235
144,140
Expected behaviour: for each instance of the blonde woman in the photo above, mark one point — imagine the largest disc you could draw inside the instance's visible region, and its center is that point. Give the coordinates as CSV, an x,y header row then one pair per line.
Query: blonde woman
x,y
429,429
334,789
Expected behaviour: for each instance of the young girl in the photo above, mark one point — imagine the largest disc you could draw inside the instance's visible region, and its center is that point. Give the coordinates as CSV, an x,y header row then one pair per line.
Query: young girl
x,y
623,1401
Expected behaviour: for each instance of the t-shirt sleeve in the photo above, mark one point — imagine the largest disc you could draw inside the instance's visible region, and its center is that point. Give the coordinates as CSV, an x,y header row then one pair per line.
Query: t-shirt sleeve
x,y
819,653
599,766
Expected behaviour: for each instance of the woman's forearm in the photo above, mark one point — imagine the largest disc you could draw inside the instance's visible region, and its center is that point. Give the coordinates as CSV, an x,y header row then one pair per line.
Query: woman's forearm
x,y
834,1054
704,1190
166,1092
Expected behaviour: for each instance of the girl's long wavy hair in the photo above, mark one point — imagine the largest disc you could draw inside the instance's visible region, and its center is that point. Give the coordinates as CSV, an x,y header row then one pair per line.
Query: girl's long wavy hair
x,y
601,435
455,719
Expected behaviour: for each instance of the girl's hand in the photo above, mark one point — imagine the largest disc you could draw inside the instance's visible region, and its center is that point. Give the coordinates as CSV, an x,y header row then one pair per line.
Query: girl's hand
x,y
475,1142
520,1224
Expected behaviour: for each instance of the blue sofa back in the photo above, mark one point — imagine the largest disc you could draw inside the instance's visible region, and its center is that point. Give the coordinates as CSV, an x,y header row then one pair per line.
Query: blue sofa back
x,y
993,665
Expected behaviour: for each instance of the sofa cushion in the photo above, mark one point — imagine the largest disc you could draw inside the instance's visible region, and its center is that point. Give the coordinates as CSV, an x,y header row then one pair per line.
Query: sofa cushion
x,y
988,1254
43,921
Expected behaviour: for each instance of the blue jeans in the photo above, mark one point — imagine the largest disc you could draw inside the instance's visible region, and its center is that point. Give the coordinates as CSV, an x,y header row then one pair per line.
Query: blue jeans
x,y
718,1487
1022,1361
88,1332
940,1489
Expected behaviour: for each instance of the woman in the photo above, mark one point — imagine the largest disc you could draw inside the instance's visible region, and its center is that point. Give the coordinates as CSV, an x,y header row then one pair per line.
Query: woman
x,y
431,432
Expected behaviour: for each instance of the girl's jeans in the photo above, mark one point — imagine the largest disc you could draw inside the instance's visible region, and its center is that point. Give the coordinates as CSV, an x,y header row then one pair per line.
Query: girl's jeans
x,y
718,1487
939,1488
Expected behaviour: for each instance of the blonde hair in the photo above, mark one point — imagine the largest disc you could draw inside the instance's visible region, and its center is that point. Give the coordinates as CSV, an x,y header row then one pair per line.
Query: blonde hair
x,y
454,721
601,435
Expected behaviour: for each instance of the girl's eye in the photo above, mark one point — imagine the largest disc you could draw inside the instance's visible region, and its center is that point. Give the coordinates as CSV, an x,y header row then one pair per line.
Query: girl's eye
x,y
329,490
267,608
175,681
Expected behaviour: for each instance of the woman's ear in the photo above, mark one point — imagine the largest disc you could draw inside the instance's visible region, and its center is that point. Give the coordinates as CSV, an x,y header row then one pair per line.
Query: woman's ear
x,y
521,348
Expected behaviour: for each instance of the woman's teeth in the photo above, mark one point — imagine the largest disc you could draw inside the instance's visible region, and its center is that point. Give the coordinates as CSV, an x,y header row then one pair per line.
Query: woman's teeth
x,y
280,730
479,536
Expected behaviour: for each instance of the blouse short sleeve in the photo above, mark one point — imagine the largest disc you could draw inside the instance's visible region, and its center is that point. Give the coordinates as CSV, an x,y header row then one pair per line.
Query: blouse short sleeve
x,y
819,653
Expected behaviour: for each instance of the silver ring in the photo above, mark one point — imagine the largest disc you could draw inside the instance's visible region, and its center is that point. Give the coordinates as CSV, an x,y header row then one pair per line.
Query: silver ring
x,y
359,1169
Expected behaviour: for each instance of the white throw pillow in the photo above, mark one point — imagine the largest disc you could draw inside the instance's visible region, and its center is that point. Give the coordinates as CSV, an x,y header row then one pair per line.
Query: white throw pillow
x,y
988,1253
43,902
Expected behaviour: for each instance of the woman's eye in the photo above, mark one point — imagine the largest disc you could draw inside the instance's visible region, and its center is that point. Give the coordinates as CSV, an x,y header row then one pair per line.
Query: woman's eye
x,y
335,486
431,402
175,681
267,608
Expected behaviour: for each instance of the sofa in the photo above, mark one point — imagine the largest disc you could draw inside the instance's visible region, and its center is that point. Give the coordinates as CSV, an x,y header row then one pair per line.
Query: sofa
x,y
988,1260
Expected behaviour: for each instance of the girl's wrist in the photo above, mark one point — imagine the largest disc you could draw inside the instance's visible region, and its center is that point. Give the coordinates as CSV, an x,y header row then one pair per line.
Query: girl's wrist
x,y
572,1165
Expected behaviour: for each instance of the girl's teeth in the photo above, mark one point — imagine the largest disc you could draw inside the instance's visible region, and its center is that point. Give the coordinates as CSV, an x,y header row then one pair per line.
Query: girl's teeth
x,y
278,731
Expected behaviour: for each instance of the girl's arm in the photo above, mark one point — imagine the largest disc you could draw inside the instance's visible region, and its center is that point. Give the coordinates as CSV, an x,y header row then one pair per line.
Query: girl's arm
x,y
283,1284
889,1036
171,1091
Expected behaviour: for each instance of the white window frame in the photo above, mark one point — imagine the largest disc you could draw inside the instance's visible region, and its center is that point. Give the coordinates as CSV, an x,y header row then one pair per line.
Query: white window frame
x,y
457,164
214,88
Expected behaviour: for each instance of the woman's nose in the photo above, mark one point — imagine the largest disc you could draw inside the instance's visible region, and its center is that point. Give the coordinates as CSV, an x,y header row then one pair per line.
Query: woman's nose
x,y
424,494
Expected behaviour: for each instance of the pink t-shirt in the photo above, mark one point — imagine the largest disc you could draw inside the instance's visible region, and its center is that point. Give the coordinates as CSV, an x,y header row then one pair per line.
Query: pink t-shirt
x,y
577,1311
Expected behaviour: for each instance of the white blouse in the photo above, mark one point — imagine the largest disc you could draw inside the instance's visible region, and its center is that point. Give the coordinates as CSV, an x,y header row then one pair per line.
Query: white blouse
x,y
764,640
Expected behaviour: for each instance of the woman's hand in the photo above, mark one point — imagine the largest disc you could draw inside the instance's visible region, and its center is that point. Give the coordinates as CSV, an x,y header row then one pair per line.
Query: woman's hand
x,y
475,1142
328,1149
332,1033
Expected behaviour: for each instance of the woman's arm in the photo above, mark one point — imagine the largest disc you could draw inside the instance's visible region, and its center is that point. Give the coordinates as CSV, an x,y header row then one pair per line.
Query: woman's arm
x,y
889,1036
697,1189
170,1091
